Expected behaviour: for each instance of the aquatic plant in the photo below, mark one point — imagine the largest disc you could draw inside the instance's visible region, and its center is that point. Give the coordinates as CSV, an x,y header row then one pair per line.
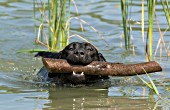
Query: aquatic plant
x,y
151,10
150,85
52,23
165,6
126,25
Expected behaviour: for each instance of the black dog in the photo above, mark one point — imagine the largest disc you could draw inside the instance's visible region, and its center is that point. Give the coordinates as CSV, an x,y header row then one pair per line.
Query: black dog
x,y
76,54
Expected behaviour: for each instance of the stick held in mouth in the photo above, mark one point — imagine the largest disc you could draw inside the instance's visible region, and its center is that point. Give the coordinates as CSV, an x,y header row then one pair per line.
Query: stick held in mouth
x,y
55,66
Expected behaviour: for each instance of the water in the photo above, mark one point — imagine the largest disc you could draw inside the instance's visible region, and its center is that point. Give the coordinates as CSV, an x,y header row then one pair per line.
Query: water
x,y
19,90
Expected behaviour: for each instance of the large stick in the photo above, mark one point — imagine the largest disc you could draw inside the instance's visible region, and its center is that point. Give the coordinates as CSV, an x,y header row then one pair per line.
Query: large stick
x,y
55,66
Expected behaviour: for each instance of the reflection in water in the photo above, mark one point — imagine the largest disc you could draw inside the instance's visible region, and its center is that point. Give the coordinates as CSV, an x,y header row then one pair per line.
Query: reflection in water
x,y
72,98
90,98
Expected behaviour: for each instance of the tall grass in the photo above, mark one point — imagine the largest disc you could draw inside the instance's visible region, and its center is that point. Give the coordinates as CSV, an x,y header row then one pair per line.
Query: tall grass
x,y
125,19
151,10
143,20
165,6
52,31
53,23
150,85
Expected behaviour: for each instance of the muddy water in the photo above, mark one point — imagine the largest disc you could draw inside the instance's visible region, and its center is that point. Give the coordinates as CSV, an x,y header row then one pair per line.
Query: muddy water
x,y
19,88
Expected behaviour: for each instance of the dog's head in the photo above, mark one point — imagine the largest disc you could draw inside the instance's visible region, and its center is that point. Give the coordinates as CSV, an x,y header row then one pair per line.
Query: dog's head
x,y
77,54
80,53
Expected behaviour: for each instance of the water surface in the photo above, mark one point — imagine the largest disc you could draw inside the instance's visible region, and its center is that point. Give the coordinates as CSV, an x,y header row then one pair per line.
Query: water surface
x,y
19,90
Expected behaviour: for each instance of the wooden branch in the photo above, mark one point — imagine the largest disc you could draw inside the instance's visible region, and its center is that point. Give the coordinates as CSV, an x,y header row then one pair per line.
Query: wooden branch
x,y
55,66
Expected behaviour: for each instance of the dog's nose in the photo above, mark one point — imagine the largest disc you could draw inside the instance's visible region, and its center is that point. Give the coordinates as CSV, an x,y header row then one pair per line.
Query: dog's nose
x,y
79,52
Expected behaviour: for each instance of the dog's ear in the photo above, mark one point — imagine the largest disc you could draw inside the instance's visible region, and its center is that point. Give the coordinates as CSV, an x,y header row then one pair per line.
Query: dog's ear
x,y
39,54
44,54
60,55
101,57
47,54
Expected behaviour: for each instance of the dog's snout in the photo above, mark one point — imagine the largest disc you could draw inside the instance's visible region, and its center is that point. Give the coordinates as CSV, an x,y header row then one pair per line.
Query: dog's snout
x,y
79,52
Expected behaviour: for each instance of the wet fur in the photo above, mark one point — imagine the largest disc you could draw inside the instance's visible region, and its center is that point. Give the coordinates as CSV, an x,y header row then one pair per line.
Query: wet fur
x,y
76,54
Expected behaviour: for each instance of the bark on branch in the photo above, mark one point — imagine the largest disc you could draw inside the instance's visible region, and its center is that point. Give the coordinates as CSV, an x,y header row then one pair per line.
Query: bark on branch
x,y
55,66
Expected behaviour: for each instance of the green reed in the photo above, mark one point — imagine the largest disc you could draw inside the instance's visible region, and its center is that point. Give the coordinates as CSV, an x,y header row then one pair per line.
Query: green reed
x,y
151,85
165,6
143,20
52,31
151,12
126,25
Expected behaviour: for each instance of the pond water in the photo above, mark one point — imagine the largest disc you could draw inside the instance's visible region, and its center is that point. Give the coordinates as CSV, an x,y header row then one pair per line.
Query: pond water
x,y
19,90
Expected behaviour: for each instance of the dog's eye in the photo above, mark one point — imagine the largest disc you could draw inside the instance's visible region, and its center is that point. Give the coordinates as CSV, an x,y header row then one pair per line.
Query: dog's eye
x,y
90,49
70,48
